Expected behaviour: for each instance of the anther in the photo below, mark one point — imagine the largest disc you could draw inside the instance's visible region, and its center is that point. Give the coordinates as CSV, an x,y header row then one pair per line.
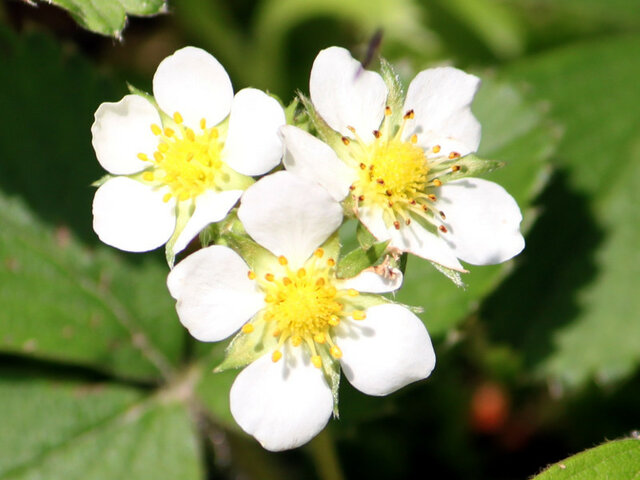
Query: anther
x,y
414,139
413,201
190,135
361,198
269,298
407,221
345,140
247,328
166,198
358,315
213,133
437,182
286,281
389,192
203,123
301,272
380,181
143,157
410,114
319,338
443,229
432,197
317,361
453,155
276,355
269,277
377,134
331,262
158,156
442,214
363,166
163,147
334,320
148,176
155,129
251,274
282,260
335,352
456,168
390,203
396,225
320,282
296,340
352,187
177,118
168,132
436,149
352,292
424,207
351,129
387,110
319,253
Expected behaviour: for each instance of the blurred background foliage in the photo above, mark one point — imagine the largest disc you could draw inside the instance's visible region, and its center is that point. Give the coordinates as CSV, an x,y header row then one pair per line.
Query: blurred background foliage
x,y
537,358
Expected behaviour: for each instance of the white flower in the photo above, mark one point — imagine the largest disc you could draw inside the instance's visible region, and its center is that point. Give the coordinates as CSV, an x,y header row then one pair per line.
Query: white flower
x,y
176,163
398,164
291,303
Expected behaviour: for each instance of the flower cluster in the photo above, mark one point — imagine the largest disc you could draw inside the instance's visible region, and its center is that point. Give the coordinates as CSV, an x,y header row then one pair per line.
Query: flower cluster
x,y
268,196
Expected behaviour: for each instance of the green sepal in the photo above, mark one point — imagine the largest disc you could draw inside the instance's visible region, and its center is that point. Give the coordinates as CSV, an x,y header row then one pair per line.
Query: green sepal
x,y
364,236
332,246
184,211
248,347
470,166
257,257
290,113
102,180
359,259
209,235
451,274
147,96
367,300
395,97
331,370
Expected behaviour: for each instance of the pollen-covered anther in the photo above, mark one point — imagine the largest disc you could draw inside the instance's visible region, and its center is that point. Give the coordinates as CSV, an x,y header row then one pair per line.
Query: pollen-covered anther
x,y
247,328
442,215
334,320
456,168
436,149
301,272
443,229
437,183
282,260
296,340
177,118
380,181
155,129
318,253
331,262
166,197
346,140
432,197
286,281
352,187
363,166
269,277
407,221
169,132
413,139
143,157
396,225
203,123
388,192
352,292
335,352
317,361
251,274
358,315
319,338
387,110
409,115
148,176
361,198
351,129
377,134
276,355
320,282
453,155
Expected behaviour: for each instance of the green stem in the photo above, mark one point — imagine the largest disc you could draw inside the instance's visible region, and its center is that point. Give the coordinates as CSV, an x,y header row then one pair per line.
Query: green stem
x,y
324,456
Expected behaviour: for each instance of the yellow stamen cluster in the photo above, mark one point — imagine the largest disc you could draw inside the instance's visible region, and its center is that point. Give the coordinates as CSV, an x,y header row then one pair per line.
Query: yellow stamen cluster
x,y
396,175
188,162
304,304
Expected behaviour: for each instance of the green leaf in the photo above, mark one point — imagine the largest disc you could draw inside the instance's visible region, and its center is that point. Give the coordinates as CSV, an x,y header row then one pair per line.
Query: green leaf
x,y
60,428
359,259
619,459
63,303
582,261
518,134
109,17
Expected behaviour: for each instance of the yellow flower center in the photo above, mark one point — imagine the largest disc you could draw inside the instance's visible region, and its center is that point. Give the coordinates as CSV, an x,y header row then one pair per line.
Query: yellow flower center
x,y
187,162
303,305
396,176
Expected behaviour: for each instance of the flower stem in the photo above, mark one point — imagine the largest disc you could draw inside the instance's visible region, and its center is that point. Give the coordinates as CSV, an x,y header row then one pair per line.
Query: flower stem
x,y
324,456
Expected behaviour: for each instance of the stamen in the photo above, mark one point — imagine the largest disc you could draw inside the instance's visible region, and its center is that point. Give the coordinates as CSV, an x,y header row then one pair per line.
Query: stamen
x,y
301,272
363,166
276,355
251,274
453,155
456,168
203,123
335,352
148,176
334,320
442,214
377,134
396,225
269,277
387,110
143,157
443,229
190,135
351,129
169,132
358,315
319,338
346,140
409,115
282,260
286,281
361,198
380,181
331,262
320,282
436,149
317,361
352,292
177,118
437,182
414,139
155,129
432,197
247,328
319,253
296,340
166,198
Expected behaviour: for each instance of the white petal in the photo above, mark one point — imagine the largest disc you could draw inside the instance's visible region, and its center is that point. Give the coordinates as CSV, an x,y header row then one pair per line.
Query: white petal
x,y
345,94
441,101
121,131
311,159
386,351
210,207
411,238
289,216
283,404
131,216
215,296
193,82
483,221
253,145
370,281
